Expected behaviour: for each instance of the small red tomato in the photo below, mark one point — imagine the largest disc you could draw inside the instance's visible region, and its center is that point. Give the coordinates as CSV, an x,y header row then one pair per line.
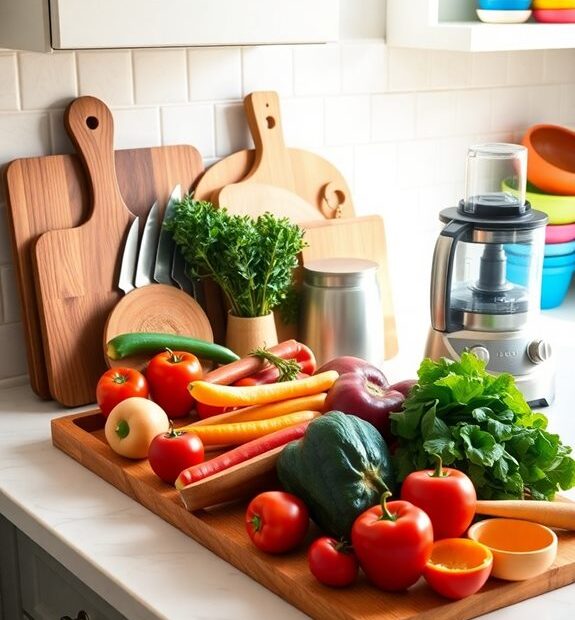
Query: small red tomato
x,y
332,562
117,384
277,521
446,495
169,374
172,452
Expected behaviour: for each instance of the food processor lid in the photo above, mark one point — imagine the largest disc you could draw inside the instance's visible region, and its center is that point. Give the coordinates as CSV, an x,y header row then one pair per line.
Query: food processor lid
x,y
496,216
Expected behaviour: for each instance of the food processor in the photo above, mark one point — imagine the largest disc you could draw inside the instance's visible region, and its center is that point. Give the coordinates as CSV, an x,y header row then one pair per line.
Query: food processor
x,y
478,304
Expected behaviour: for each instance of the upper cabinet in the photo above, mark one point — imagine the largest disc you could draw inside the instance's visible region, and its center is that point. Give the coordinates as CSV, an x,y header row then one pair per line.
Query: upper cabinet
x,y
42,25
453,25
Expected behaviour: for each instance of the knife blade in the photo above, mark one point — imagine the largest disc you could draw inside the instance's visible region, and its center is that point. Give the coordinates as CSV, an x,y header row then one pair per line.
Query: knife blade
x,y
148,245
129,257
179,272
166,243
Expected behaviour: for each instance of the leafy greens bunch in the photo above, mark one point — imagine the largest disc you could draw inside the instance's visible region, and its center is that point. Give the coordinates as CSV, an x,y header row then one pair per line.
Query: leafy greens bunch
x,y
480,423
252,260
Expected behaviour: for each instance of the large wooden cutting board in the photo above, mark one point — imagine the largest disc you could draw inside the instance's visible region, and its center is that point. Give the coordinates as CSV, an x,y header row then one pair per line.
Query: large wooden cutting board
x,y
311,177
48,193
222,530
359,237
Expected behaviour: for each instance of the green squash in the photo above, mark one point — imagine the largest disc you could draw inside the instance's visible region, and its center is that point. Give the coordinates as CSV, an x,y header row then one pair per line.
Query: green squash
x,y
340,468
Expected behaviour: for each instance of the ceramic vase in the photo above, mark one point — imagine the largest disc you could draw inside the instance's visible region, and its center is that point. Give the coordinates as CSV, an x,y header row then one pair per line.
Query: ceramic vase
x,y
244,334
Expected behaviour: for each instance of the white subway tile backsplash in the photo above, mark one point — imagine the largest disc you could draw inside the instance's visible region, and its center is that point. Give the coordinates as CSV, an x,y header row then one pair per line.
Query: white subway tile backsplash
x,y
61,143
408,69
106,75
160,76
232,132
545,104
347,120
558,66
191,124
567,104
317,70
364,67
206,68
302,122
488,69
450,69
450,159
13,358
375,172
524,68
136,128
366,23
435,112
268,68
47,80
510,109
416,163
9,99
473,110
24,134
392,117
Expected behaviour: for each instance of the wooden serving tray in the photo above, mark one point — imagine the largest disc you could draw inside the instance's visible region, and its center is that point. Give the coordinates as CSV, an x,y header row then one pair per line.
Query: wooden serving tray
x,y
221,529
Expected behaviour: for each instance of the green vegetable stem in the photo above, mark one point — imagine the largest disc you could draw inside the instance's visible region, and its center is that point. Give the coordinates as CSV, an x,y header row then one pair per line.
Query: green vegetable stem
x,y
252,260
480,423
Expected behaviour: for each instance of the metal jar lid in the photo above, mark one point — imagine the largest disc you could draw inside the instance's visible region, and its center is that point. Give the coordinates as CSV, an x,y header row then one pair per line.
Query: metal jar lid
x,y
339,272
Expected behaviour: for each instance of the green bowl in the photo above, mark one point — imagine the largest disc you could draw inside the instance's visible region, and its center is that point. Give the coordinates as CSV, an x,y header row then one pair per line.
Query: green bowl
x,y
559,209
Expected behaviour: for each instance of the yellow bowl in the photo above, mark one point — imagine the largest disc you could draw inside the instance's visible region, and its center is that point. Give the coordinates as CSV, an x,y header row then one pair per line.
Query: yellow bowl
x,y
553,4
560,209
521,549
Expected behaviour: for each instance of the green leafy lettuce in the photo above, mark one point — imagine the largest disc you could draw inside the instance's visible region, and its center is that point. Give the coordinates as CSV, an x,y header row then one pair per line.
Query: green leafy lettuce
x,y
480,423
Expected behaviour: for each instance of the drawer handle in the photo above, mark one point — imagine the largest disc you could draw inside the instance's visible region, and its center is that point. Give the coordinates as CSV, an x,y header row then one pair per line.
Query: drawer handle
x,y
82,615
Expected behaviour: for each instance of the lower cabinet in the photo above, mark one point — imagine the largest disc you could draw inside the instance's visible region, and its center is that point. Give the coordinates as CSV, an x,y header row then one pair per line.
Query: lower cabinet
x,y
35,586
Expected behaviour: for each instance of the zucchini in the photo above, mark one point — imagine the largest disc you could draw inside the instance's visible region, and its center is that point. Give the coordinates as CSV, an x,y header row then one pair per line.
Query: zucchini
x,y
138,343
339,468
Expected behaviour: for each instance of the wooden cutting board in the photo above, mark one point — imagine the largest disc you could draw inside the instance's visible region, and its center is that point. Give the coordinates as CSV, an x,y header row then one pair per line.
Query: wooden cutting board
x,y
359,237
222,530
48,193
313,178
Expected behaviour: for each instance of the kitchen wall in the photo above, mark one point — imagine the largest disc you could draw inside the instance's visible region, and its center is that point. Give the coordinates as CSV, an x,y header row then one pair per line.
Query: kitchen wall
x,y
396,122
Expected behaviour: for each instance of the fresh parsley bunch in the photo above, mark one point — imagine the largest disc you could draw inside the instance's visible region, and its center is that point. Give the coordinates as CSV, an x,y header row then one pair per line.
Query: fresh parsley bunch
x,y
252,260
480,423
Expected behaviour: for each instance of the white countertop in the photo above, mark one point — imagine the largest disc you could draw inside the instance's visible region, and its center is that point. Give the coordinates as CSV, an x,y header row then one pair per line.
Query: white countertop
x,y
148,569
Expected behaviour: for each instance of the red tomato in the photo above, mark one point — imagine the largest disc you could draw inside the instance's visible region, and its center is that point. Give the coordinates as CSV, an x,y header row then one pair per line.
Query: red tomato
x,y
458,567
172,452
446,495
393,543
332,562
277,521
169,374
117,384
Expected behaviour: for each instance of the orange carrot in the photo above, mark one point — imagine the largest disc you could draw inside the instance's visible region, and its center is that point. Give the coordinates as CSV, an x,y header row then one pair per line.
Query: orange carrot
x,y
236,433
243,396
315,402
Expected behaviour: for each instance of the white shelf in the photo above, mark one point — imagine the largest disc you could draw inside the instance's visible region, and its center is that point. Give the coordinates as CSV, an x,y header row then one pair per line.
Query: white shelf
x,y
453,25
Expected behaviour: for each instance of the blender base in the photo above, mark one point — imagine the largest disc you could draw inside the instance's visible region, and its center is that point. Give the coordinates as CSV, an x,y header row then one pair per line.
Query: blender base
x,y
503,352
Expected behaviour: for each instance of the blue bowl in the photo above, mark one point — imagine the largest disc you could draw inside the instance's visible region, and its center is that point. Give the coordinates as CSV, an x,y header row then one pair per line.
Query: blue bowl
x,y
523,258
559,249
503,5
554,286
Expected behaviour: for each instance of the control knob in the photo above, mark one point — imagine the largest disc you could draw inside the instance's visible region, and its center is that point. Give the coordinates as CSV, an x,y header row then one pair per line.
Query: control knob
x,y
538,351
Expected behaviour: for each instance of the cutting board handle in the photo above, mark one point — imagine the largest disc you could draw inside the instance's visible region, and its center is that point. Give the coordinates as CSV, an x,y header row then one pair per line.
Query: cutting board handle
x,y
262,109
90,126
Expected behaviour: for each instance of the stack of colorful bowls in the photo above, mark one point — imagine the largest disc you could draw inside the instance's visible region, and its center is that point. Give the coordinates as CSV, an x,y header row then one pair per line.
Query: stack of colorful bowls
x,y
503,11
551,189
554,11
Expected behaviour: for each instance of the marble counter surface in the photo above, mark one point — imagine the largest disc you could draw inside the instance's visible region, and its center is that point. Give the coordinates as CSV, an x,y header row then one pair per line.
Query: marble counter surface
x,y
148,569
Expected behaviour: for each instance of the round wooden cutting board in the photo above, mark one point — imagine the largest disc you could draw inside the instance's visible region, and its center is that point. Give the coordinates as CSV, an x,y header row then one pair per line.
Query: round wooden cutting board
x,y
156,308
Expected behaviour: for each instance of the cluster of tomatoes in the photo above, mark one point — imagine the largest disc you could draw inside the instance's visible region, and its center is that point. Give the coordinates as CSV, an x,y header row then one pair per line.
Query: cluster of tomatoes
x,y
394,543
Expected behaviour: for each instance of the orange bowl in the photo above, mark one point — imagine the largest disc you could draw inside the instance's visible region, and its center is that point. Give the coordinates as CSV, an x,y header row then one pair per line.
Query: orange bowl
x,y
551,158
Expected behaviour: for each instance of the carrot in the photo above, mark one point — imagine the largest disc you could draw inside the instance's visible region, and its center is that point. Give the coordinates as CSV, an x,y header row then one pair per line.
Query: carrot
x,y
243,396
261,412
229,373
235,433
240,454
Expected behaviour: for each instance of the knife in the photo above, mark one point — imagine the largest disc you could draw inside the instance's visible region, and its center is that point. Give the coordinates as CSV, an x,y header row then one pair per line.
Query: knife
x,y
129,258
166,243
148,245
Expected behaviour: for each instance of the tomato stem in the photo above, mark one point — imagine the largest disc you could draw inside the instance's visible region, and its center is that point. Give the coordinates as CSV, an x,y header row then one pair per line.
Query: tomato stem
x,y
438,471
122,429
256,522
386,515
119,378
172,357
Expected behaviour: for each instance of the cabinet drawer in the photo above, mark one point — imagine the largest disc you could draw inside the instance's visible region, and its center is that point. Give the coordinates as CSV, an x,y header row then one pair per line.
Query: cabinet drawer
x,y
49,591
